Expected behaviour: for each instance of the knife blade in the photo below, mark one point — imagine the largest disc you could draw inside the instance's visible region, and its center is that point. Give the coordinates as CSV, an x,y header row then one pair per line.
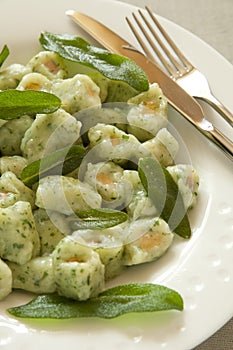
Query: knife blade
x,y
176,96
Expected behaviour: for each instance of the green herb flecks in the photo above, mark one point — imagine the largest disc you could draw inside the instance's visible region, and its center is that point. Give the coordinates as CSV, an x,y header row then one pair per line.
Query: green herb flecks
x,y
15,103
112,66
109,304
60,162
4,54
165,195
96,219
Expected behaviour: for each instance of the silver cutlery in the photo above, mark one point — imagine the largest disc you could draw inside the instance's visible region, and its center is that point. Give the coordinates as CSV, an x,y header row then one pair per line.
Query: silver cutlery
x,y
178,98
161,46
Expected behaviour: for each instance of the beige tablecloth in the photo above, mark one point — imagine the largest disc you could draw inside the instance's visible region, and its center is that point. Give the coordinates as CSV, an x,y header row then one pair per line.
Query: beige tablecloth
x,y
211,20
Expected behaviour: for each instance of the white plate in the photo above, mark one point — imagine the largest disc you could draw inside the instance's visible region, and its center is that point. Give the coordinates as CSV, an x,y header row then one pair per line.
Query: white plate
x,y
201,268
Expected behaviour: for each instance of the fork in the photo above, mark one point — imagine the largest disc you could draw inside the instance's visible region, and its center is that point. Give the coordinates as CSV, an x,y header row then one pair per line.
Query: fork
x,y
177,65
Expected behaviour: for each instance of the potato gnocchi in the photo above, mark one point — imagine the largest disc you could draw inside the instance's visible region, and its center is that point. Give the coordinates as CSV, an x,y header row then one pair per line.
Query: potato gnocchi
x,y
39,250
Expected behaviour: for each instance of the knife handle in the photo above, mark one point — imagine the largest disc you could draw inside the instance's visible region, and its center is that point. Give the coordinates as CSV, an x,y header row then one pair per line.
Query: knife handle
x,y
222,141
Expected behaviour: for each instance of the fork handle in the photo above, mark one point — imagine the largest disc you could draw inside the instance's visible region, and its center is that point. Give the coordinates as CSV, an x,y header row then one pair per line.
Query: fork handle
x,y
219,107
222,141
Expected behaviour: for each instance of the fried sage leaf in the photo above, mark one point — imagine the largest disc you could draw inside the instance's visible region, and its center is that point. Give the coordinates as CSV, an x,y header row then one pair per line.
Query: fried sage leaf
x,y
60,162
96,219
110,65
15,103
111,303
4,54
165,195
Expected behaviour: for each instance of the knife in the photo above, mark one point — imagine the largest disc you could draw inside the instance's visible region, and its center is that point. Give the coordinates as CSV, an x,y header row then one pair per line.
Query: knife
x,y
176,96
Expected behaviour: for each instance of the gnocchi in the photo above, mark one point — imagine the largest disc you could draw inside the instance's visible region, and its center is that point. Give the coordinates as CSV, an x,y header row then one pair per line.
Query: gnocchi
x,y
40,251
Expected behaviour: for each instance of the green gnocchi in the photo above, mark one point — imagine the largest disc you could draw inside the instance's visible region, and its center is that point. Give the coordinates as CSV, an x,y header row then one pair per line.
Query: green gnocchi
x,y
39,251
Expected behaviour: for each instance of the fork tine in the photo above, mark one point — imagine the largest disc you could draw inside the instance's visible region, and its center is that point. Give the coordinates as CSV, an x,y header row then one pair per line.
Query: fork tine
x,y
175,68
169,40
171,57
169,68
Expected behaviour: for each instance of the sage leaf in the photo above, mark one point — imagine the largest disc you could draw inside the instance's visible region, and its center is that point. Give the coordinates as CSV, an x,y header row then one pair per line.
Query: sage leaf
x,y
4,54
15,103
165,195
110,65
111,303
95,219
60,162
